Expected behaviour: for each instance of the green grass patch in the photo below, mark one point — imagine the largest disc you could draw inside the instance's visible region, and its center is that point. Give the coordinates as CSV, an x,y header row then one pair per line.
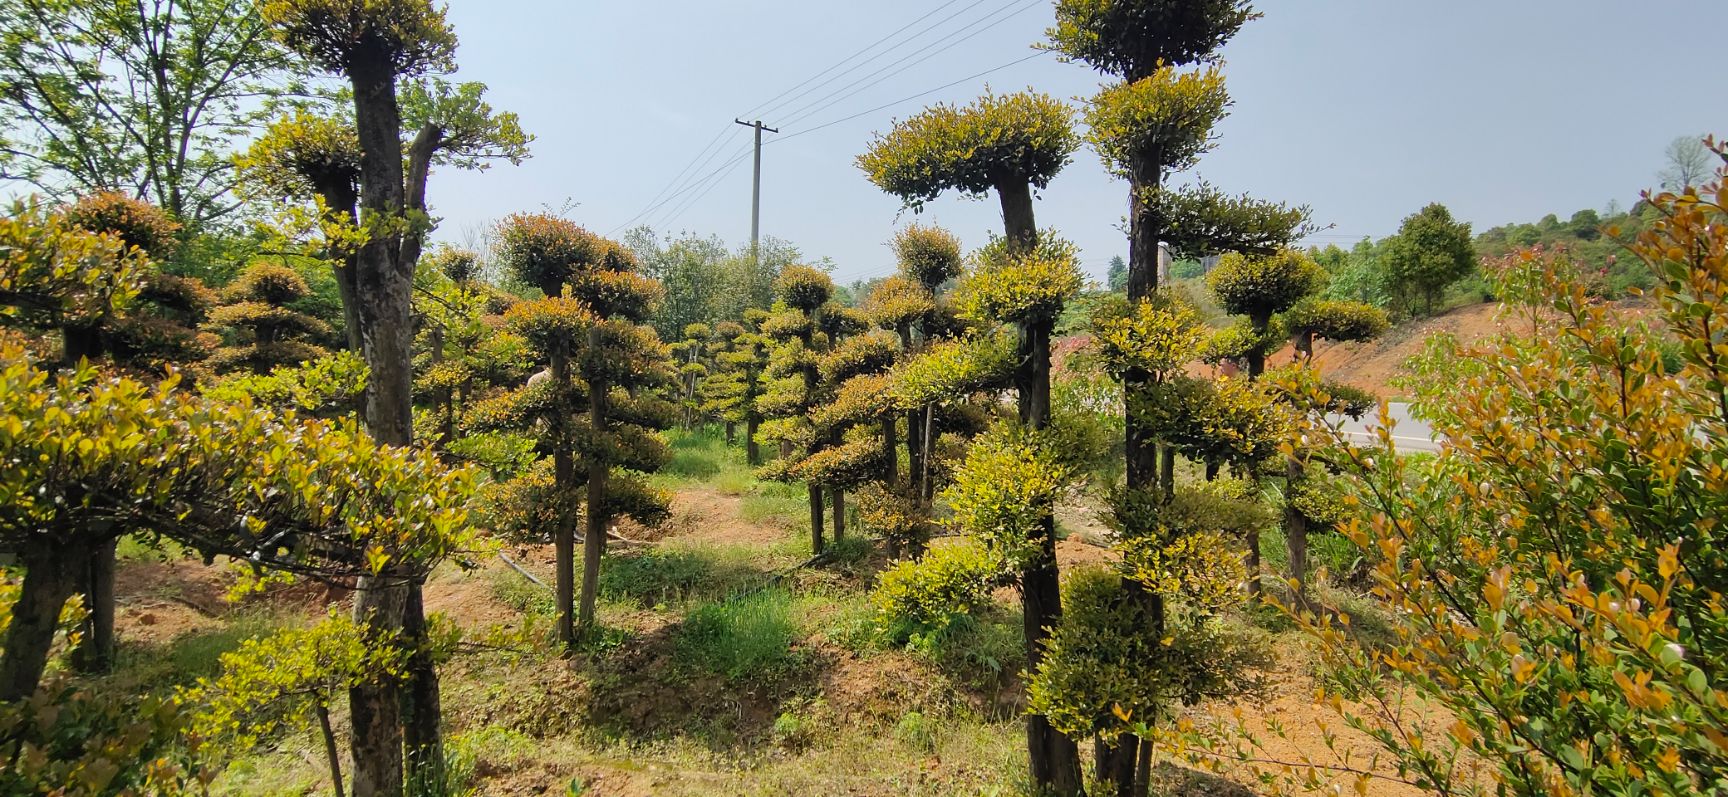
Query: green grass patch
x,y
190,656
747,635
673,574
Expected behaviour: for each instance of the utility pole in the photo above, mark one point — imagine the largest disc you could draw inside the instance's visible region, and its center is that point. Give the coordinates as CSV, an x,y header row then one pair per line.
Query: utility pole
x,y
756,191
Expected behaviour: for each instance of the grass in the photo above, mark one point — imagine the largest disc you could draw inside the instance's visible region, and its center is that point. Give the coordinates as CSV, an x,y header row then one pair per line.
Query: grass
x,y
158,669
675,574
747,635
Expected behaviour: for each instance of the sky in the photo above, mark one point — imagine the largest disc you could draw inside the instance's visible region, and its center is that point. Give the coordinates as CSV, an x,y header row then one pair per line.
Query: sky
x,y
1364,110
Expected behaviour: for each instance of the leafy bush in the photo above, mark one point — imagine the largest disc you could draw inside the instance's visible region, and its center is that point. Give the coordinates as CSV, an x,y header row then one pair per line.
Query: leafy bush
x,y
1557,573
924,596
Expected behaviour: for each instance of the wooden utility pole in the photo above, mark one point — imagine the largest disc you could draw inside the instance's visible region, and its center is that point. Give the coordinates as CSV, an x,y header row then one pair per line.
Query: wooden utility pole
x,y
756,190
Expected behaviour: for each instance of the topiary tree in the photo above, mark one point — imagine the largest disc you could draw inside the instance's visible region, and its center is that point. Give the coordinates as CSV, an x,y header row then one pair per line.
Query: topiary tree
x,y
1010,144
262,331
1259,288
465,354
374,43
690,354
740,354
796,387
1333,319
92,459
590,334
1429,253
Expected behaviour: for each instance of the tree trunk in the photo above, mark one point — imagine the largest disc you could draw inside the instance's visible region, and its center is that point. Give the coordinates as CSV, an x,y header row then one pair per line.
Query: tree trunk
x,y
1017,219
594,546
1143,770
1303,343
332,755
96,653
1143,231
891,446
839,513
375,709
51,575
752,450
1251,563
1114,764
422,706
815,519
915,451
1055,758
564,536
1296,531
731,432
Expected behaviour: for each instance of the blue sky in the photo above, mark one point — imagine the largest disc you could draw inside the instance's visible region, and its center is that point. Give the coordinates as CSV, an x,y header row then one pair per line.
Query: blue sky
x,y
1363,109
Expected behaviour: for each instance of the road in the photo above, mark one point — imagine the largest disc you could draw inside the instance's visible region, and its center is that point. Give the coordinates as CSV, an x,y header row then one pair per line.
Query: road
x,y
1408,433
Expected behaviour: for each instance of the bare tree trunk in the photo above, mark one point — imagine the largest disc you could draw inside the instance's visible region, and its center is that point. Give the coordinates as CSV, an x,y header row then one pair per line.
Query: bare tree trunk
x,y
839,513
815,519
1055,757
731,432
332,755
422,706
890,445
594,546
96,653
375,709
50,578
752,450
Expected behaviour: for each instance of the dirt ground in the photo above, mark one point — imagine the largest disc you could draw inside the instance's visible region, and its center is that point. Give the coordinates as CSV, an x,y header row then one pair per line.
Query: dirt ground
x,y
163,600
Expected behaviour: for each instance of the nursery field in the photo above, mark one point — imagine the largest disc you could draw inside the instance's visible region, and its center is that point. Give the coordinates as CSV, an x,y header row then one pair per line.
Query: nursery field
x,y
723,666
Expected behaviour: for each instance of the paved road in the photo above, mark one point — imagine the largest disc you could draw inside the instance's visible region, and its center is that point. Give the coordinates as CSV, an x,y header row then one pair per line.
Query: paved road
x,y
1408,434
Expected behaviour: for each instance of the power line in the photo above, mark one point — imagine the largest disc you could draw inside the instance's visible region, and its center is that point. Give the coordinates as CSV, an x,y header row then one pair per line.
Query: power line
x,y
887,105
683,181
679,211
929,52
682,191
754,111
908,40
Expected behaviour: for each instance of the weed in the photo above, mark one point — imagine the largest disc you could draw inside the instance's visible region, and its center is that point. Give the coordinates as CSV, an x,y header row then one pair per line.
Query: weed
x,y
916,731
674,574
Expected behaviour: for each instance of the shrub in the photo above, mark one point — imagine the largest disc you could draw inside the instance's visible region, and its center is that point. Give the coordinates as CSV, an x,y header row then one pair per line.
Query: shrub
x,y
918,598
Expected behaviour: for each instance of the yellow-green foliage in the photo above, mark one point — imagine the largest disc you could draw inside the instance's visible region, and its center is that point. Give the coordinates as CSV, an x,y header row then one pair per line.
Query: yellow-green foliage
x,y
1238,342
803,288
926,595
1188,545
230,478
951,369
408,36
1102,674
898,301
273,683
859,355
1025,138
1336,320
1557,571
303,154
1229,419
1006,489
854,462
53,272
329,384
1021,287
1166,117
891,515
549,252
1259,287
1132,38
929,256
860,399
551,324
1152,339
